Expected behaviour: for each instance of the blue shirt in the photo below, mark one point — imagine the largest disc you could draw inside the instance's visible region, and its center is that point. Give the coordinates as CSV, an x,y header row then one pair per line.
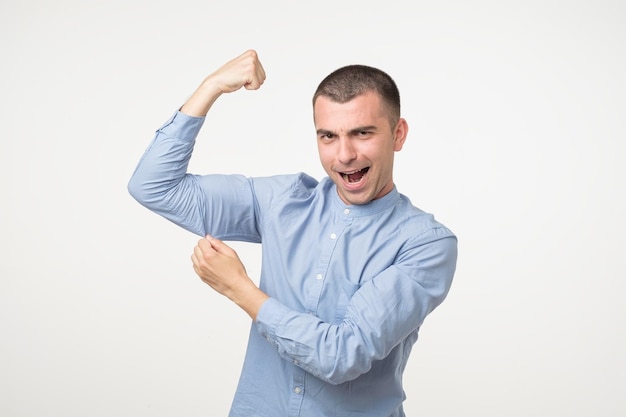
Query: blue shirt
x,y
349,286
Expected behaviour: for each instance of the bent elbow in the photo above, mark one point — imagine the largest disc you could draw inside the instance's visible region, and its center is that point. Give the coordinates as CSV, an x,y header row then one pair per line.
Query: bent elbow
x,y
137,190
148,194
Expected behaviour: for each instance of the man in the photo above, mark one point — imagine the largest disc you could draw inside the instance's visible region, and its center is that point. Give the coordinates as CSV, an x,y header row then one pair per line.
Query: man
x,y
350,268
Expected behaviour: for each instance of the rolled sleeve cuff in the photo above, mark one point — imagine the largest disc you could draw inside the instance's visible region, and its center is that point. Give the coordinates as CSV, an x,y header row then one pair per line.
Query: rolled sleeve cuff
x,y
182,126
269,317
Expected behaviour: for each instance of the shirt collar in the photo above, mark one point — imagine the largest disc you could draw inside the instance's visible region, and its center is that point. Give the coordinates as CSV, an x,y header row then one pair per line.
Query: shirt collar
x,y
373,207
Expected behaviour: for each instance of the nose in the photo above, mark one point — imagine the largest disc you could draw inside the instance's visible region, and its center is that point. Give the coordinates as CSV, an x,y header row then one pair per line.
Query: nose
x,y
346,151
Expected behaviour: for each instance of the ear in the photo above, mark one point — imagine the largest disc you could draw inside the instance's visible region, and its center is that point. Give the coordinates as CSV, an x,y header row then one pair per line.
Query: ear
x,y
400,133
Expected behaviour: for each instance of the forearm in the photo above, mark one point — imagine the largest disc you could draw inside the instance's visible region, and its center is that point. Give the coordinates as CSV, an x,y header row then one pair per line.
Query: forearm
x,y
202,99
337,353
384,311
249,299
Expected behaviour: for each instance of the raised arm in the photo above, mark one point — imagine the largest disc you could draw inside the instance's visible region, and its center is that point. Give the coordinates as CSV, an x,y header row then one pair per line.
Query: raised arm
x,y
161,182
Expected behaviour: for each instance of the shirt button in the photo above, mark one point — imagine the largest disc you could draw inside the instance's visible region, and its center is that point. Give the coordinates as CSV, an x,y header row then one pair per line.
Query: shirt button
x,y
297,390
319,277
333,236
346,211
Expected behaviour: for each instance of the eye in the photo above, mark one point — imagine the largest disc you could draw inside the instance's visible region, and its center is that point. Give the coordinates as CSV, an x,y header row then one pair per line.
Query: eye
x,y
326,136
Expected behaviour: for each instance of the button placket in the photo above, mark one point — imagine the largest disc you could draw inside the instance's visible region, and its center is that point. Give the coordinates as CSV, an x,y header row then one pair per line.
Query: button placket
x,y
327,249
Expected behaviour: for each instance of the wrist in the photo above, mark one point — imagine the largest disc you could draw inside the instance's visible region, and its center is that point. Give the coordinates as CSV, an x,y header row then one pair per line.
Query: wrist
x,y
202,99
249,299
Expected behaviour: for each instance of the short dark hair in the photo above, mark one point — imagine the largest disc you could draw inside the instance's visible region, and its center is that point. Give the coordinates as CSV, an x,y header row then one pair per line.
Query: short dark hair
x,y
346,83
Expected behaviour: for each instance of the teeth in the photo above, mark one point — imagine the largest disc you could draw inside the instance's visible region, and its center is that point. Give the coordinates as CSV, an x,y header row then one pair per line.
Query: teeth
x,y
346,175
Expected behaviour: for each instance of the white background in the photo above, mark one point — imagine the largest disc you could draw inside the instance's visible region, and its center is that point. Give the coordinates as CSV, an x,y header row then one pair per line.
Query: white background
x,y
517,143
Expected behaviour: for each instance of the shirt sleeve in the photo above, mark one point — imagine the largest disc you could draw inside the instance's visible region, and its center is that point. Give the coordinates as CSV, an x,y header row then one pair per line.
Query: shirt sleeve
x,y
382,313
162,184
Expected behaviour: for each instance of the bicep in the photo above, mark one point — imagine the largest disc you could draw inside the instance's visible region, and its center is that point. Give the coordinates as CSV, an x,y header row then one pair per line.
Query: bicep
x,y
227,209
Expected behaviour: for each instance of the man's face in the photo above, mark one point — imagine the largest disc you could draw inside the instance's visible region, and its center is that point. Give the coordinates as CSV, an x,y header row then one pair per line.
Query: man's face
x,y
356,145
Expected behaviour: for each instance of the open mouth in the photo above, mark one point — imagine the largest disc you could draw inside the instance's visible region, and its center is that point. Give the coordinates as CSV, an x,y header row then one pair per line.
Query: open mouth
x,y
354,176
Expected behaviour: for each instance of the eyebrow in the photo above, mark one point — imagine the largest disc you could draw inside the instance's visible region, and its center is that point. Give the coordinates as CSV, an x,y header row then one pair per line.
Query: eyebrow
x,y
351,132
363,128
324,132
